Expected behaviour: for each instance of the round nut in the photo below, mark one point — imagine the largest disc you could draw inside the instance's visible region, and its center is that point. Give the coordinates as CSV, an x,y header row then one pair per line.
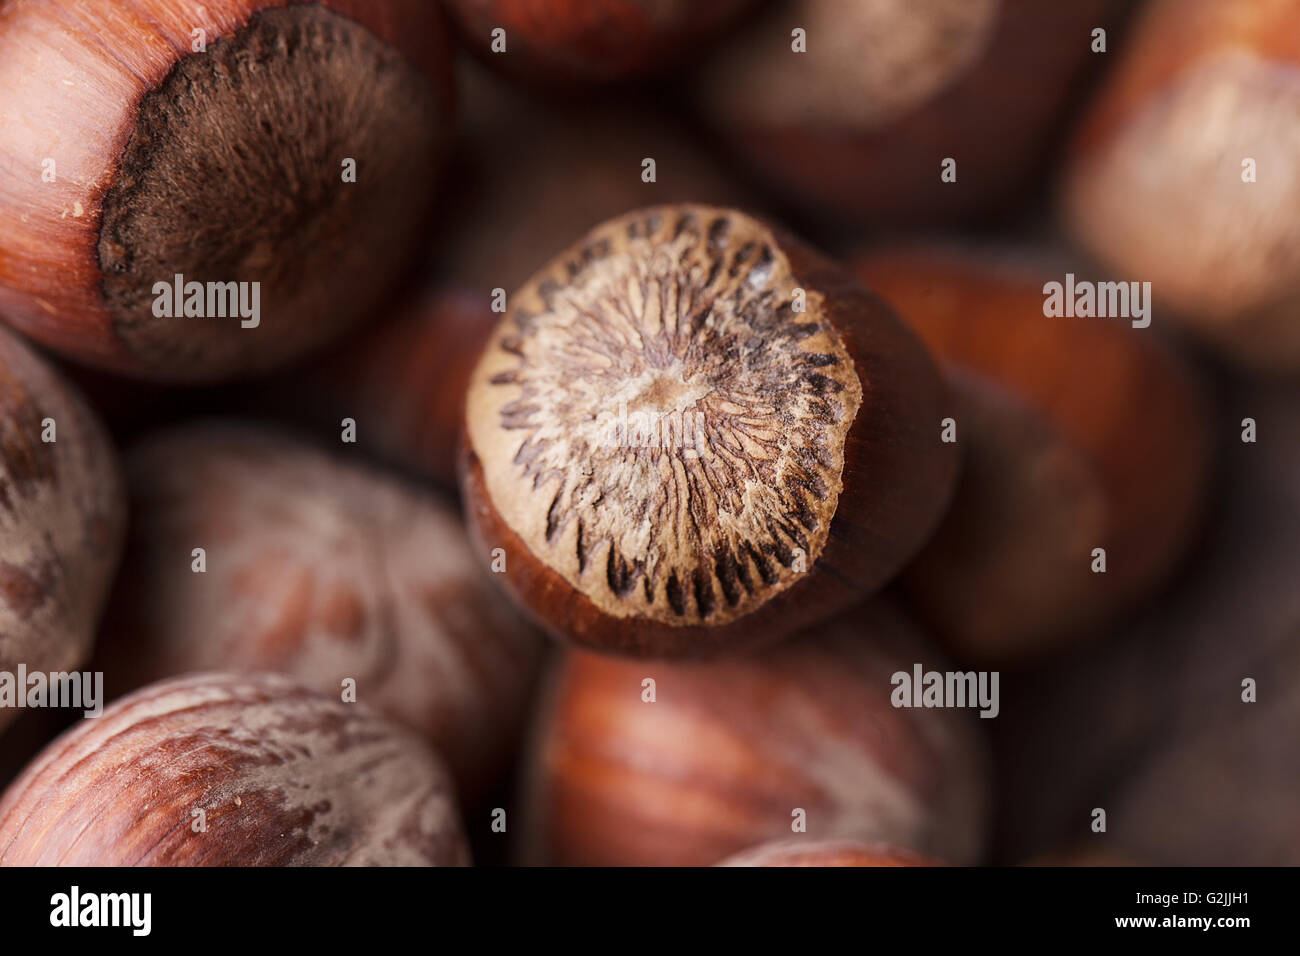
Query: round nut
x,y
62,515
323,569
859,124
713,758
227,770
180,206
690,432
1186,171
1077,433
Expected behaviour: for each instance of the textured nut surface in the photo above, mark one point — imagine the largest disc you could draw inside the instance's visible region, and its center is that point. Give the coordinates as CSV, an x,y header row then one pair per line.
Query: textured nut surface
x,y
728,750
323,569
687,318
62,515
223,165
673,417
283,776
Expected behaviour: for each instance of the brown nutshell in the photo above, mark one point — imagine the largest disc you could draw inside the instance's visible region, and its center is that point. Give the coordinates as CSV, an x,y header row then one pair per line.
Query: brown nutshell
x,y
1191,771
237,771
509,218
63,510
322,569
222,165
1077,433
1184,172
858,125
725,752
379,377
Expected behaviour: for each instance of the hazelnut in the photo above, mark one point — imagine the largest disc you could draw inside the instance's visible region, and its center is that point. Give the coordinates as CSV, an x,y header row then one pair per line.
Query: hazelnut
x,y
228,770
63,514
211,142
1077,434
714,758
579,42
322,569
797,852
1193,766
859,124
690,432
1186,171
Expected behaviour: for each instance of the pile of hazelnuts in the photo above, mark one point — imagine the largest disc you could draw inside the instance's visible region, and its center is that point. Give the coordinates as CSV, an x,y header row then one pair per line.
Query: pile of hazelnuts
x,y
754,432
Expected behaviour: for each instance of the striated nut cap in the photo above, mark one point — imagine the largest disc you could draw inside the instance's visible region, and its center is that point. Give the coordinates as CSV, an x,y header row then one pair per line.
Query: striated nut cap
x,y
691,432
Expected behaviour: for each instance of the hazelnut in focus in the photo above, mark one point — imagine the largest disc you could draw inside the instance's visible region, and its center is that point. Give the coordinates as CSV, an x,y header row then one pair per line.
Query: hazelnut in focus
x,y
690,432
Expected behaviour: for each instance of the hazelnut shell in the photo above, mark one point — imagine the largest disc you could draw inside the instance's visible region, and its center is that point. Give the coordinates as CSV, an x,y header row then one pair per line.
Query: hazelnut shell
x,y
728,750
283,777
323,569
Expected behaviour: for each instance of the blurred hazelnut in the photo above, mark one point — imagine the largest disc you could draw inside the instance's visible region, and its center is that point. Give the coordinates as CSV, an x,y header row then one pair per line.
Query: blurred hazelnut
x,y
1186,171
1077,433
227,770
727,754
62,515
322,569
859,124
